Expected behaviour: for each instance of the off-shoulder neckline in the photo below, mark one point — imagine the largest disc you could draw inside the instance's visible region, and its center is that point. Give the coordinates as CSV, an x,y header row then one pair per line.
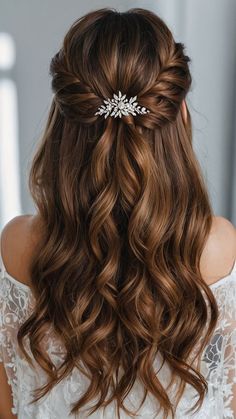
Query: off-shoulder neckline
x,y
11,278
220,281
224,279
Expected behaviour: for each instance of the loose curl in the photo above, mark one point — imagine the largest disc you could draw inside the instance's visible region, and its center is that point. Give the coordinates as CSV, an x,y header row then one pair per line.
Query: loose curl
x,y
126,215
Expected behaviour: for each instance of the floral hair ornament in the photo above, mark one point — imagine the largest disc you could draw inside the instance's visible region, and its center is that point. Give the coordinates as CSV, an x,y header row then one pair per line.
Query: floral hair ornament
x,y
119,105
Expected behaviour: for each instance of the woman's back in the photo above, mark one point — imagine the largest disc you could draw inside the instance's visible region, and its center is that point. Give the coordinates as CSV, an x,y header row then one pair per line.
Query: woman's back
x,y
110,282
216,261
218,362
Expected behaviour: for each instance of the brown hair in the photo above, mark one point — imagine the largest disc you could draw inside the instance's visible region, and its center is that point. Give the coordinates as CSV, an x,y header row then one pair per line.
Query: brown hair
x,y
126,215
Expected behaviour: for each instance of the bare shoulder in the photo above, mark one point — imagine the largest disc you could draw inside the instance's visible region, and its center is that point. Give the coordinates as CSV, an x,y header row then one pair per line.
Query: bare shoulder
x,y
18,240
219,253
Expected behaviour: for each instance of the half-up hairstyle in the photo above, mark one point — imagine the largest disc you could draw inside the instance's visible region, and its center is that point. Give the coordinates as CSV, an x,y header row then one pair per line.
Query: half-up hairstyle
x,y
126,215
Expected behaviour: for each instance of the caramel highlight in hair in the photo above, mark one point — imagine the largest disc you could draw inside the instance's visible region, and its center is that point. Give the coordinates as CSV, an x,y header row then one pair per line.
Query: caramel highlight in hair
x,y
126,215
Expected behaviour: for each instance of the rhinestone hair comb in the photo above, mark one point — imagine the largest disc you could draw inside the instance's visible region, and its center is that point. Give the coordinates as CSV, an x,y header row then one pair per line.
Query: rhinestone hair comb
x,y
119,105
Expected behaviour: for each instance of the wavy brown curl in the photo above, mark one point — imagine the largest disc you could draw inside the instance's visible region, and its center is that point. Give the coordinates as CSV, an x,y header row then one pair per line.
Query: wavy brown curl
x,y
126,215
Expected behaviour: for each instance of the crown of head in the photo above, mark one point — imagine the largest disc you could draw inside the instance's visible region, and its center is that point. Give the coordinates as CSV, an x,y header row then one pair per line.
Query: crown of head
x,y
119,105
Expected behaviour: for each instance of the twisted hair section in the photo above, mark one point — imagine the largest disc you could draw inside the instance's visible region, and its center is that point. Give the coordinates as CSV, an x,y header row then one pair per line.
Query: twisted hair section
x,y
125,214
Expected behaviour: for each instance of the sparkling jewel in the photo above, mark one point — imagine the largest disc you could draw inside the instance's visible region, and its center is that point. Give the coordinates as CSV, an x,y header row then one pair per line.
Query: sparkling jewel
x,y
119,105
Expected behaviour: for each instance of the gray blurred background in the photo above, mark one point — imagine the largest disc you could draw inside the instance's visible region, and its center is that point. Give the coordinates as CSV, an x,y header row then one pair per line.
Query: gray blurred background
x,y
36,29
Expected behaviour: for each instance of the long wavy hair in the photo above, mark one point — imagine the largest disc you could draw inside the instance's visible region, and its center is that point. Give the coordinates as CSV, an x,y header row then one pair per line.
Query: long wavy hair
x,y
126,215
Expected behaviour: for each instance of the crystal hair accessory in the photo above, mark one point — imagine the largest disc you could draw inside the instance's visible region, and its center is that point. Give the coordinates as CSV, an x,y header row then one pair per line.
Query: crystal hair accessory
x,y
119,105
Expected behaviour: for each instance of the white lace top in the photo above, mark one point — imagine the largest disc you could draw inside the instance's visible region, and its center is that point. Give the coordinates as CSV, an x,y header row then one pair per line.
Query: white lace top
x,y
218,363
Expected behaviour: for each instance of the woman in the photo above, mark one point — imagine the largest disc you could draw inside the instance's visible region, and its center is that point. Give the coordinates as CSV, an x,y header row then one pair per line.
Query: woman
x,y
118,295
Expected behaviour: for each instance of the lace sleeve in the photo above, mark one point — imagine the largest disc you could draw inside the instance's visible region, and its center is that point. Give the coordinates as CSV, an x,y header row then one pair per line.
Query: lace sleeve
x,y
13,308
225,341
229,368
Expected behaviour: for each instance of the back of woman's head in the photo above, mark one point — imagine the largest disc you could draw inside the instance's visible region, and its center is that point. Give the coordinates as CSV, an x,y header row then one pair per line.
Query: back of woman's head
x,y
125,212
